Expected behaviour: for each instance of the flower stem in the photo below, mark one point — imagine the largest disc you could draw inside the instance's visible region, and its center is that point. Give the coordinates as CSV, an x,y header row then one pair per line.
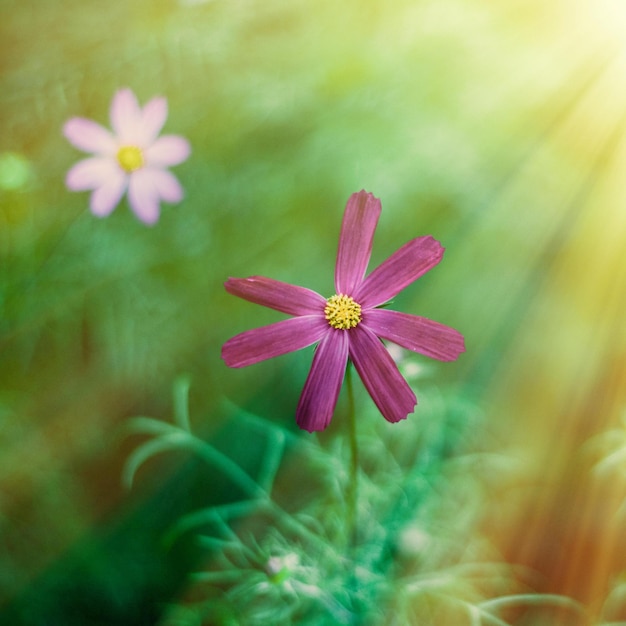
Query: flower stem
x,y
352,492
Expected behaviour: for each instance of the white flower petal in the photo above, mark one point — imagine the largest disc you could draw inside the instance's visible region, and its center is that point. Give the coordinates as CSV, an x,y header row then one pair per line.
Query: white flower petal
x,y
143,195
126,116
168,150
92,173
154,115
104,199
89,136
167,186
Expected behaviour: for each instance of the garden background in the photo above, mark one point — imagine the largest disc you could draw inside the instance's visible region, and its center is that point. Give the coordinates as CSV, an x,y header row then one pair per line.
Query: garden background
x,y
497,127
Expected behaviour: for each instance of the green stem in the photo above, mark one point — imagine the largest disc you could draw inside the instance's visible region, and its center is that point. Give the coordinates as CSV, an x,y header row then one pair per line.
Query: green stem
x,y
352,495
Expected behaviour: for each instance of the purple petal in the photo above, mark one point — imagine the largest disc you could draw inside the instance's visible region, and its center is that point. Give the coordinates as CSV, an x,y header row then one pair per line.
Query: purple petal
x,y
167,186
153,117
89,136
126,118
379,373
143,195
168,150
104,199
92,173
323,384
277,295
416,333
276,339
355,241
402,268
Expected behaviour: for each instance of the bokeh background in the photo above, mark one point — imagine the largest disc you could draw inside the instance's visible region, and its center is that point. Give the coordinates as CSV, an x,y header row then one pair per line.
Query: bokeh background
x,y
497,127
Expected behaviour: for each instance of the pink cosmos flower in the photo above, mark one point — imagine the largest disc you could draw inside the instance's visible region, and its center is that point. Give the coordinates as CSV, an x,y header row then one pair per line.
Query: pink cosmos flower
x,y
132,158
349,324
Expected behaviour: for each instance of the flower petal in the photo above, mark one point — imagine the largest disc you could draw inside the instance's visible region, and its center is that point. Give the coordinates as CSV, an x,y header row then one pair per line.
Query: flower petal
x,y
402,268
153,118
104,199
390,392
168,150
323,384
143,195
126,118
416,333
355,241
274,340
277,295
92,173
89,136
167,186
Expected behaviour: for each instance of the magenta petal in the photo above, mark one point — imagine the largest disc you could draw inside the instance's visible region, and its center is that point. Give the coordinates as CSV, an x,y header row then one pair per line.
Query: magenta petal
x,y
89,136
379,373
143,195
126,118
323,384
277,295
355,241
274,340
168,150
416,333
402,268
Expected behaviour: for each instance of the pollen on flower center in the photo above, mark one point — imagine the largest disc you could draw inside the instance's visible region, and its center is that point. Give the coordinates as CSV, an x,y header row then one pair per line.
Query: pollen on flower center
x,y
342,312
130,158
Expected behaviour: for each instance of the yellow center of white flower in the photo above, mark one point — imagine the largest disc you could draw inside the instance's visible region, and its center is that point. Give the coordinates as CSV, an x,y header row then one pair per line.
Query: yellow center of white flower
x,y
130,158
342,312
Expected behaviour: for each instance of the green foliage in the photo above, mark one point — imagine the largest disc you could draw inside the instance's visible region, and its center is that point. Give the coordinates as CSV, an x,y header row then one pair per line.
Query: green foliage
x,y
416,557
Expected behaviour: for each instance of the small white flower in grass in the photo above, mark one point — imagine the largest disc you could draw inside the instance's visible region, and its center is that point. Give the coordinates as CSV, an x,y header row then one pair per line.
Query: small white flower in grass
x,y
278,568
412,541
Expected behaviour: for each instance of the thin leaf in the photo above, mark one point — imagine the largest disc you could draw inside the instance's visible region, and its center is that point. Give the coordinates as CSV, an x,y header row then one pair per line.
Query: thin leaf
x,y
533,599
146,451
271,460
181,402
148,426
218,577
211,515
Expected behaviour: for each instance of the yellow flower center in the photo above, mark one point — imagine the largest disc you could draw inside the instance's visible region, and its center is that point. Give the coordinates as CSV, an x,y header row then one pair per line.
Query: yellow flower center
x,y
342,312
130,158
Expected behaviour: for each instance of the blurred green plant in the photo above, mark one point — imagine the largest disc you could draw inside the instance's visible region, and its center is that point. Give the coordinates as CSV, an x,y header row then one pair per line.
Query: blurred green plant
x,y
614,604
609,447
418,558
15,171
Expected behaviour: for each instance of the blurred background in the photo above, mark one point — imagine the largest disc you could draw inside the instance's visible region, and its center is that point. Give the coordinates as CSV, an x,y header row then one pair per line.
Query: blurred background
x,y
497,127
